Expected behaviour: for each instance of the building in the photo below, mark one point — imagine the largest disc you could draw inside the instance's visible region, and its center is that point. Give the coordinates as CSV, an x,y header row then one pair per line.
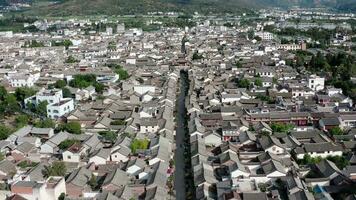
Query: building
x,y
57,110
316,83
52,188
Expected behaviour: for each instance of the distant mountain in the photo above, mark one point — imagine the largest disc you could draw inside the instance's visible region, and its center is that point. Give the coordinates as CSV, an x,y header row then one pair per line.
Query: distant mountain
x,y
113,7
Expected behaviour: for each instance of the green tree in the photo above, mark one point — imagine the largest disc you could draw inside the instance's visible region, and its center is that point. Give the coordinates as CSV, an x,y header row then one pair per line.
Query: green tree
x,y
60,84
93,182
238,64
21,121
71,59
243,83
336,131
3,93
62,196
99,87
66,93
123,74
57,168
281,128
67,43
46,123
67,143
2,156
24,92
71,127
108,136
340,161
258,82
197,56
83,81
138,144
41,108
12,105
4,132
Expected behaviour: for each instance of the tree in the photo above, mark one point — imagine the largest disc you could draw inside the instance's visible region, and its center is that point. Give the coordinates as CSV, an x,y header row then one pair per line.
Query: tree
x,y
238,64
99,87
139,144
11,104
41,108
243,83
258,82
336,131
93,182
57,168
340,161
4,132
3,93
250,34
67,143
123,74
2,156
46,123
308,160
281,128
67,43
197,56
60,84
108,136
71,127
62,196
83,81
24,92
66,93
21,121
71,59
258,38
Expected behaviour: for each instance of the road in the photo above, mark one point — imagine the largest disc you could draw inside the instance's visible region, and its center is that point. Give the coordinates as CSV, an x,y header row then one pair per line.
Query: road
x,y
179,181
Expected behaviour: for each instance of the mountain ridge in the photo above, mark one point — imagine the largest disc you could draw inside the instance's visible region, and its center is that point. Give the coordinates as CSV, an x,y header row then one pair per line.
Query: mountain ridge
x,y
115,7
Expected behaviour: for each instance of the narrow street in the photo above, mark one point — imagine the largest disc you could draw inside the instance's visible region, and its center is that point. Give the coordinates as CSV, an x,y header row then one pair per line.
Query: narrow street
x,y
180,137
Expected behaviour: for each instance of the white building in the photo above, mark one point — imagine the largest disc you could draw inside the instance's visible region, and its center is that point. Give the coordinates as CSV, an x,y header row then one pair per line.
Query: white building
x,y
52,188
316,83
22,80
265,35
56,110
142,89
51,96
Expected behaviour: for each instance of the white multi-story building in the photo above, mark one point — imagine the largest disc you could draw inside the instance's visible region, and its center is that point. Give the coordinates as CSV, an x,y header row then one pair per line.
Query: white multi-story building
x,y
265,35
316,83
56,110
51,96
22,80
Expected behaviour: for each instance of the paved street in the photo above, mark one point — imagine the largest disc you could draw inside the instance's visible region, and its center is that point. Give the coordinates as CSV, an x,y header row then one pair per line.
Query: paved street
x,y
180,134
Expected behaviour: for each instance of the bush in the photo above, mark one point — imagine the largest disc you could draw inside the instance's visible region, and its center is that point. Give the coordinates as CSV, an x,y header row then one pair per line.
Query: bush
x,y
5,132
71,59
67,143
71,127
281,128
60,84
336,131
108,136
117,122
56,169
139,144
46,123
21,121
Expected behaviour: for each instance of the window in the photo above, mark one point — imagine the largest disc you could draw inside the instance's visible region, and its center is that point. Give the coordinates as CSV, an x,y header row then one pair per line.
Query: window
x,y
312,81
55,111
69,157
